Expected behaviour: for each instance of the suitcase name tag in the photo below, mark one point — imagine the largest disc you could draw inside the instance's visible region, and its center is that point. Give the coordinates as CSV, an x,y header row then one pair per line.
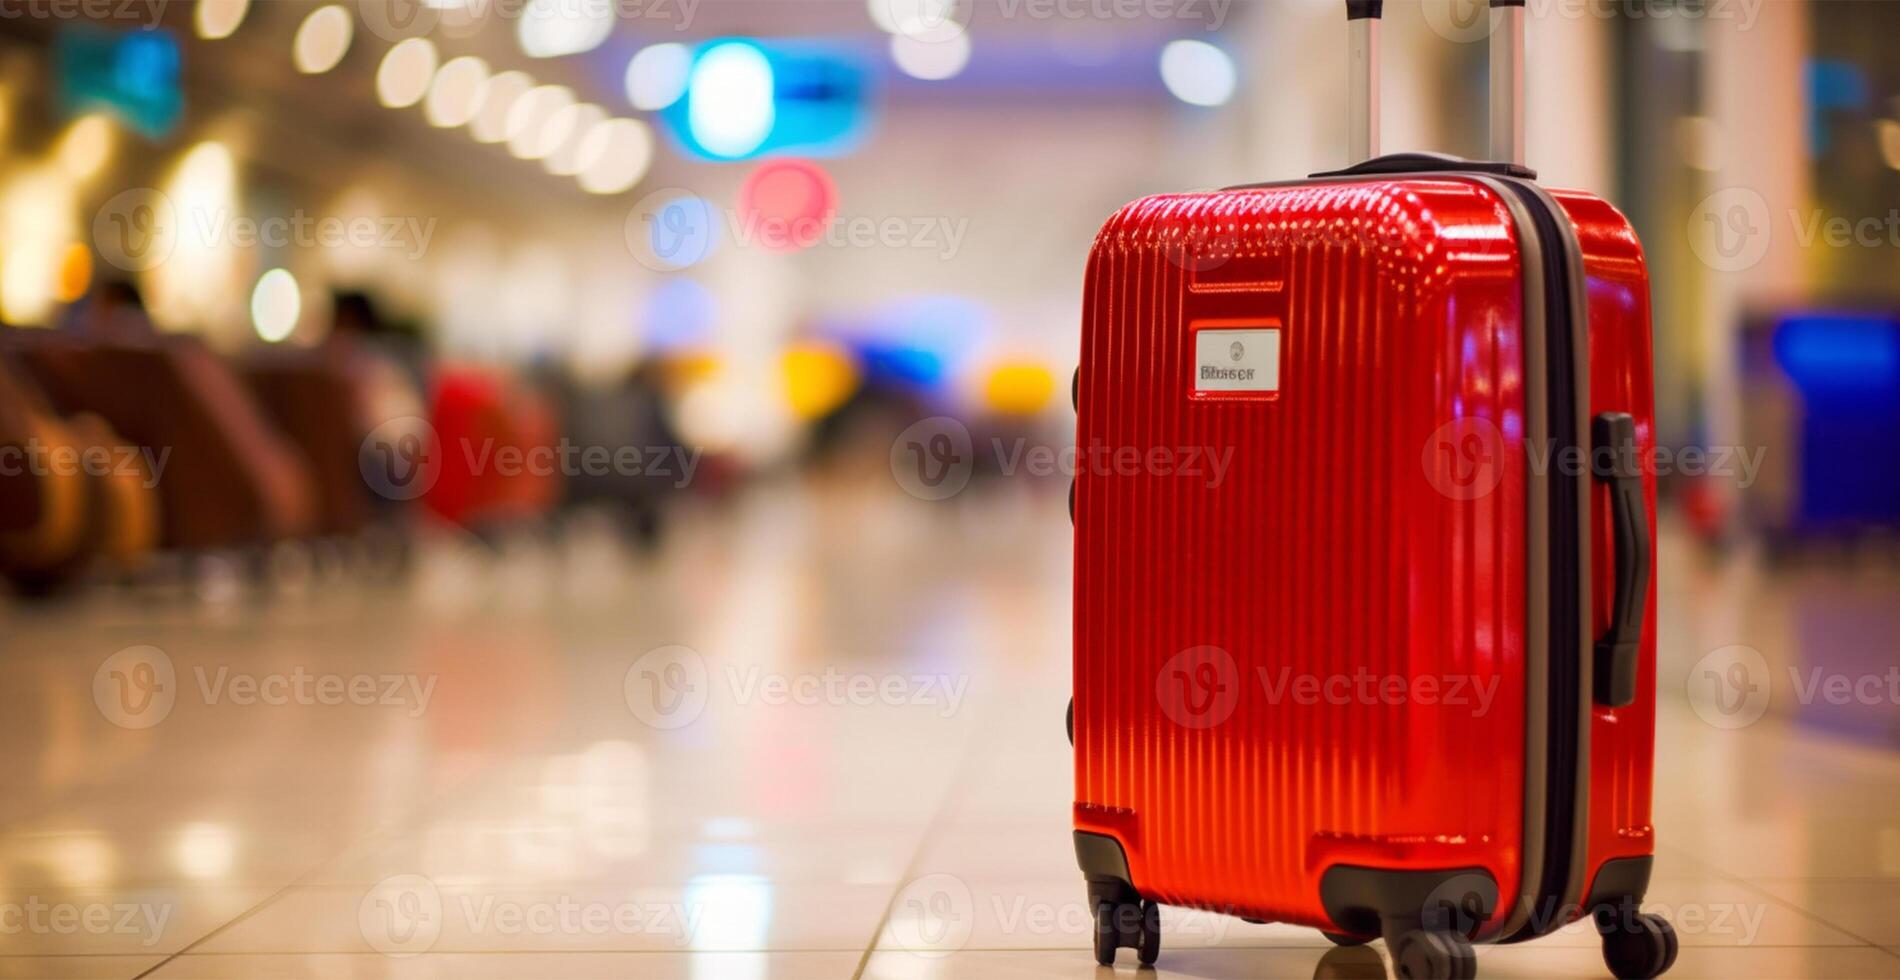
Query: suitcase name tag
x,y
1236,360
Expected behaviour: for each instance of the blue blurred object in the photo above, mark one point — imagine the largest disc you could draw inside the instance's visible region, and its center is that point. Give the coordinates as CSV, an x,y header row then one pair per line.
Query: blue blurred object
x,y
133,75
746,98
679,314
916,342
1845,371
1833,86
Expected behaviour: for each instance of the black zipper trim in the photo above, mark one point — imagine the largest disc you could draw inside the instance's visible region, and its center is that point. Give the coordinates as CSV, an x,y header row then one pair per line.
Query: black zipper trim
x,y
1564,651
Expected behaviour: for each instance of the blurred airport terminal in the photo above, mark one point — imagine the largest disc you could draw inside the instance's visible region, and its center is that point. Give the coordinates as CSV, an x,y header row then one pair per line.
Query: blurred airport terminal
x,y
386,386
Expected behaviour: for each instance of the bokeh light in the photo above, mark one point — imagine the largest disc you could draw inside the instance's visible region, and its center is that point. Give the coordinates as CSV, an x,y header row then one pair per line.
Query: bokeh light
x,y
499,95
322,39
404,75
553,28
455,95
931,59
276,302
615,155
788,203
216,19
656,76
730,108
1198,73
535,121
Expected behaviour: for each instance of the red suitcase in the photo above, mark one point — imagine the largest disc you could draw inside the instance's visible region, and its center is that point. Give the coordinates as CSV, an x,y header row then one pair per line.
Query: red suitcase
x,y
1389,670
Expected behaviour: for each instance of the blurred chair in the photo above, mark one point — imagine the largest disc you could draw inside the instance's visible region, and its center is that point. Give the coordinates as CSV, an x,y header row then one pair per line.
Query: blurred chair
x,y
72,492
228,479
315,402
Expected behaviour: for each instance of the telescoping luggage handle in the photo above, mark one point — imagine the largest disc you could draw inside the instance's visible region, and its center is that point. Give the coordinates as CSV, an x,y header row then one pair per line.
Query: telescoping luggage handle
x,y
1362,102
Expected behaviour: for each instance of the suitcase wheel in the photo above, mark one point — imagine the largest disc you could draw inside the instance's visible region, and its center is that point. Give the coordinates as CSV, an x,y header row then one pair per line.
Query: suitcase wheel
x,y
1133,924
1071,722
1636,947
1433,954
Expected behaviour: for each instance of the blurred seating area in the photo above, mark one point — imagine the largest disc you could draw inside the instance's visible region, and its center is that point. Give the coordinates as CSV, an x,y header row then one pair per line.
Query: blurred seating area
x,y
126,453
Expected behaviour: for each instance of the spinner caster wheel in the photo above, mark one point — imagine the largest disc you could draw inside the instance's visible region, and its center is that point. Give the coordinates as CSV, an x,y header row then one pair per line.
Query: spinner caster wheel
x,y
1137,925
1432,954
1639,946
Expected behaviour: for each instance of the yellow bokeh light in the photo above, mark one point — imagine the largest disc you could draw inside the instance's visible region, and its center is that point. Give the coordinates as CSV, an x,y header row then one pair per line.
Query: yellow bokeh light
x,y
818,378
85,146
1018,388
75,273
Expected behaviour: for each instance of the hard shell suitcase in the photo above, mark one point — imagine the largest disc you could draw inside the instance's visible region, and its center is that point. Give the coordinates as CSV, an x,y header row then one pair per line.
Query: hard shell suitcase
x,y
1388,670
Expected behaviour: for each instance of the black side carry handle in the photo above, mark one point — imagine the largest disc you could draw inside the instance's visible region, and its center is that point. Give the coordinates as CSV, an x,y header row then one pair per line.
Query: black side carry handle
x,y
1613,460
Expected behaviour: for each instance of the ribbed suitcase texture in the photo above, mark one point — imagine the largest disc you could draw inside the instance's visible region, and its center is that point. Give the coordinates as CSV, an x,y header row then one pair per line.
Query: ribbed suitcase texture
x,y
1313,653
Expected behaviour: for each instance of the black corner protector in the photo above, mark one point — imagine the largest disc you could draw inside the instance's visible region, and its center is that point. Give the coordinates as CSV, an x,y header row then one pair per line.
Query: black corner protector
x,y
1101,857
1365,901
1365,9
1620,881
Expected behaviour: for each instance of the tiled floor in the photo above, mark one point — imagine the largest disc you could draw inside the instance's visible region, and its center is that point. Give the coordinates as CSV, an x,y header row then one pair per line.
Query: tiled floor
x,y
877,784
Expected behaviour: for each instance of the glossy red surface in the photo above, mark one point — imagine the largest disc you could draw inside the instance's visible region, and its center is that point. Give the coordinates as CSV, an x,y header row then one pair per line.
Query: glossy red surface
x,y
1341,544
1622,740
